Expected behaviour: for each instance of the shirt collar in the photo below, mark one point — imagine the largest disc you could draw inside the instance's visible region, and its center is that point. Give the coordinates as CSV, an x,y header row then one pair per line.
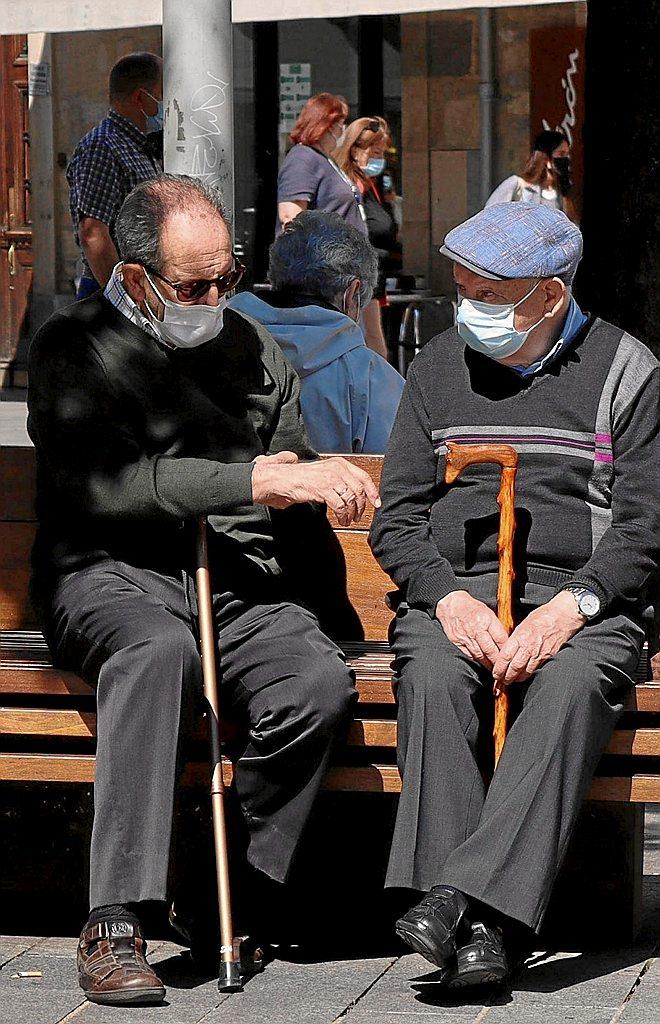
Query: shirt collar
x,y
115,293
127,127
575,320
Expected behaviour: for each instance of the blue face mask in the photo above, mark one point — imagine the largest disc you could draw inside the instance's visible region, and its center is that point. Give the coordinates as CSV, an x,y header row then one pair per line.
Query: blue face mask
x,y
489,327
154,121
375,167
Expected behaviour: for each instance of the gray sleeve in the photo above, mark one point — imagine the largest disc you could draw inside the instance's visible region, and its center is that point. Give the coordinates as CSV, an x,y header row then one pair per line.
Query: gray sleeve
x,y
504,192
300,175
627,553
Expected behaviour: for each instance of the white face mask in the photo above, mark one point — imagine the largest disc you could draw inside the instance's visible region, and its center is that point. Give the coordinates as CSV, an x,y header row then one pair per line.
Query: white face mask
x,y
488,327
186,326
339,138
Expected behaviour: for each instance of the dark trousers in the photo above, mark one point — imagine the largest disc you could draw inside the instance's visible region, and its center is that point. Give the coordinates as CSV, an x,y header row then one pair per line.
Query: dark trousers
x,y
130,632
502,844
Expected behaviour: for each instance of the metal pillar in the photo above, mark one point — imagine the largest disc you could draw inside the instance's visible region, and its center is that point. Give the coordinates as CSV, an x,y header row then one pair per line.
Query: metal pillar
x,y
198,93
486,101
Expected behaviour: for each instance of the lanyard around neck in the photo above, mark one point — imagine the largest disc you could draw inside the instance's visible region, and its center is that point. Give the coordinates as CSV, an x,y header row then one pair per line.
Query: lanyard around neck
x,y
351,184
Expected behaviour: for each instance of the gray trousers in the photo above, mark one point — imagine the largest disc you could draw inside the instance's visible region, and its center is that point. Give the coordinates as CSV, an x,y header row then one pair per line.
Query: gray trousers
x,y
130,632
502,844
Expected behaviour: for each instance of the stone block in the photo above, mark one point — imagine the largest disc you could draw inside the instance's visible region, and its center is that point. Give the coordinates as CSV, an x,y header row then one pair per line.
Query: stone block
x,y
451,41
411,987
20,1007
449,188
416,181
416,239
414,54
414,114
453,113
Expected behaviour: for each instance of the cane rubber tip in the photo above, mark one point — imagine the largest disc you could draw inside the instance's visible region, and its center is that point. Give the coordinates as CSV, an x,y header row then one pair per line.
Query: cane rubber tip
x,y
230,979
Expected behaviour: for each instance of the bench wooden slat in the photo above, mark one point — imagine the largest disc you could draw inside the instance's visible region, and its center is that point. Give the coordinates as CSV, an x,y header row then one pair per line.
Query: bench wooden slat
x,y
79,768
17,483
375,732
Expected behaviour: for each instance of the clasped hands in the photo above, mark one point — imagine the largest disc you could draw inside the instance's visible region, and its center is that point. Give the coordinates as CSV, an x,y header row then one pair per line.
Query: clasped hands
x,y
475,629
281,480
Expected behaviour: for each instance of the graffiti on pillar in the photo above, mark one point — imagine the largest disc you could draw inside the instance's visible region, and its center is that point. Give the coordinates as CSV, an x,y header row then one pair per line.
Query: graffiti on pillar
x,y
570,93
206,105
556,61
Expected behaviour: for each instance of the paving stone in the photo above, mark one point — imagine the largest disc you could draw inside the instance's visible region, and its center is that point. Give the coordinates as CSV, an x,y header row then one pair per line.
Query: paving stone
x,y
57,973
57,946
554,1013
168,1014
597,980
414,1017
411,987
12,946
45,1007
313,993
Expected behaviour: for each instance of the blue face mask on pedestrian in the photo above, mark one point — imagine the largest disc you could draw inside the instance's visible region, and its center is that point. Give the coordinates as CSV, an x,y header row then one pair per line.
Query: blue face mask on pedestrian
x,y
154,121
375,167
488,327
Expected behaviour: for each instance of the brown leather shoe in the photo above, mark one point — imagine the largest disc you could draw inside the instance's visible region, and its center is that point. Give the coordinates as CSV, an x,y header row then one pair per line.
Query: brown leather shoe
x,y
112,965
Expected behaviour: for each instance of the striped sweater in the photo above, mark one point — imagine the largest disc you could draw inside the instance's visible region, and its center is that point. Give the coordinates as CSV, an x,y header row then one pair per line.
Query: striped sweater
x,y
588,484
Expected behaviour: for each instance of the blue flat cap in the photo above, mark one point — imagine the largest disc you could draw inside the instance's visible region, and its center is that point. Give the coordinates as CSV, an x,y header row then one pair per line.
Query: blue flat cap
x,y
511,240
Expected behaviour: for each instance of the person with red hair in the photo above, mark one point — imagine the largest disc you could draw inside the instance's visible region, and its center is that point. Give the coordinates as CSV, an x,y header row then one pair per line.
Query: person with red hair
x,y
309,179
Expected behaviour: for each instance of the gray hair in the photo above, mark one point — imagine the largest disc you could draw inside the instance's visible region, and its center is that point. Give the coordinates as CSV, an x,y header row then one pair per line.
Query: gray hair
x,y
139,224
319,254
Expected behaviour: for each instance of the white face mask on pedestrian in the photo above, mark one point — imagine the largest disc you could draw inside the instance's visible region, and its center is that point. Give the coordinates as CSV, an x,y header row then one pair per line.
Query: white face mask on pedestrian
x,y
488,327
186,326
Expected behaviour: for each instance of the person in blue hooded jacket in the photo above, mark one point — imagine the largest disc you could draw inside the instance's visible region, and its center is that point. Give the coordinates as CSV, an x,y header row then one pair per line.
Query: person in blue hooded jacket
x,y
323,273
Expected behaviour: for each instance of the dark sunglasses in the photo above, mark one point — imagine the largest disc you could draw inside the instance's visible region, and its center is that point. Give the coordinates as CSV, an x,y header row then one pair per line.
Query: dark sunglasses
x,y
186,291
372,126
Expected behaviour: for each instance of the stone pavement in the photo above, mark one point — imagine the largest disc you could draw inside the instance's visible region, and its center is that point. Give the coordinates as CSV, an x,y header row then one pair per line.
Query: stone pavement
x,y
614,987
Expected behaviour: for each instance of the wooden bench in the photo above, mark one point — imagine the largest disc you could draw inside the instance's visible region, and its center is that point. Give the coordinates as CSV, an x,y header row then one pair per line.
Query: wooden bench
x,y
47,718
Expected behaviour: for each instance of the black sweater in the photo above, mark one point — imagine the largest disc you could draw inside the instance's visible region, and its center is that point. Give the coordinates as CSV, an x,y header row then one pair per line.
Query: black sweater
x,y
134,439
587,490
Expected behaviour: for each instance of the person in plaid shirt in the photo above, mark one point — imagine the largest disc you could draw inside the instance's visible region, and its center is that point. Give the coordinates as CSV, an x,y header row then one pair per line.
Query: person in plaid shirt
x,y
111,160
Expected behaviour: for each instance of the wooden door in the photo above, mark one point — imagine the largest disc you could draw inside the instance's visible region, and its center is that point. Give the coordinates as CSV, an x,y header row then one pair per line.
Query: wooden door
x,y
15,215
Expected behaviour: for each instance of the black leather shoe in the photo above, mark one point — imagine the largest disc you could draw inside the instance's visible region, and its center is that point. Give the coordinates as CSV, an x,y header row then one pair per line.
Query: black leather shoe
x,y
432,926
482,960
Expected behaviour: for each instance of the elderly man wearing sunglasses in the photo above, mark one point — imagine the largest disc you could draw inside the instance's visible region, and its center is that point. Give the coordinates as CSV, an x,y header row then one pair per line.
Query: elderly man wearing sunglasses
x,y
151,404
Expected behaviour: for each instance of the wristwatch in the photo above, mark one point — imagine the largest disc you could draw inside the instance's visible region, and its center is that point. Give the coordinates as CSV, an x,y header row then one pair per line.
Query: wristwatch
x,y
588,603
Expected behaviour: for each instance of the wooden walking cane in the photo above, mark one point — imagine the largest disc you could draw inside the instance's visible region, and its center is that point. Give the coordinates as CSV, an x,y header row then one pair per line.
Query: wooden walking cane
x,y
231,974
459,456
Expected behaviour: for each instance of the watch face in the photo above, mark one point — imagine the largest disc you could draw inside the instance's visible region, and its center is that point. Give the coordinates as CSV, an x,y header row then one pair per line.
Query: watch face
x,y
589,604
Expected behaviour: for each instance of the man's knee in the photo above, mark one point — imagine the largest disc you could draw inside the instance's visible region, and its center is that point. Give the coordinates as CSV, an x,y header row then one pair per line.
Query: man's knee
x,y
436,679
326,694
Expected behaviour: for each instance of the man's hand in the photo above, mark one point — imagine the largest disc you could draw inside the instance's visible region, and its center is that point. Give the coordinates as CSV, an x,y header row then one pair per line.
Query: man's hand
x,y
472,626
280,480
538,638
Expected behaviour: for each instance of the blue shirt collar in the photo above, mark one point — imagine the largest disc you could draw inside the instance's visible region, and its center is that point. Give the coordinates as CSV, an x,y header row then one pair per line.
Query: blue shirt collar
x,y
574,322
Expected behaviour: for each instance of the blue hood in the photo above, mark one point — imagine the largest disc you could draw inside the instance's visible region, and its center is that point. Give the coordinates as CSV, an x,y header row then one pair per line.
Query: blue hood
x,y
310,337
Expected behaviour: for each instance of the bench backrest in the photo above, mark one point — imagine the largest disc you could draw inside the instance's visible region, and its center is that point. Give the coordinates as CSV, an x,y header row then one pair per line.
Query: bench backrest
x,y
366,583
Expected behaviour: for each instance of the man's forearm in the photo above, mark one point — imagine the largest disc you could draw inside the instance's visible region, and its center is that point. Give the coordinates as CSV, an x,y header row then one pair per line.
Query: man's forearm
x,y
99,249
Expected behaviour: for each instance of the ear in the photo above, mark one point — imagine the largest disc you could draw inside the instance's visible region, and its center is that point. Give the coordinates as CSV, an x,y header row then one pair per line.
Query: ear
x,y
133,278
352,296
554,295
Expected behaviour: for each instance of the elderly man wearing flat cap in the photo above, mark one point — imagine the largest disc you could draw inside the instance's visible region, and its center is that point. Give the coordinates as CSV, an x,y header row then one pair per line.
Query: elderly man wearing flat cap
x,y
578,400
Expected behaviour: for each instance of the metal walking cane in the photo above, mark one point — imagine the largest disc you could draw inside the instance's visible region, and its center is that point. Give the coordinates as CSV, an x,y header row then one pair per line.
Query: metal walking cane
x,y
238,959
459,456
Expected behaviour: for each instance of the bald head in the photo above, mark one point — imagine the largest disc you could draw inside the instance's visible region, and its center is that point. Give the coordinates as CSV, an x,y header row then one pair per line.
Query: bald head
x,y
169,212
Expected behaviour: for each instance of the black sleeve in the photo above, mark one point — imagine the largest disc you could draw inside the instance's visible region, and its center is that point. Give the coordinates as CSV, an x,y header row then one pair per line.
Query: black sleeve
x,y
400,537
289,434
627,553
95,463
